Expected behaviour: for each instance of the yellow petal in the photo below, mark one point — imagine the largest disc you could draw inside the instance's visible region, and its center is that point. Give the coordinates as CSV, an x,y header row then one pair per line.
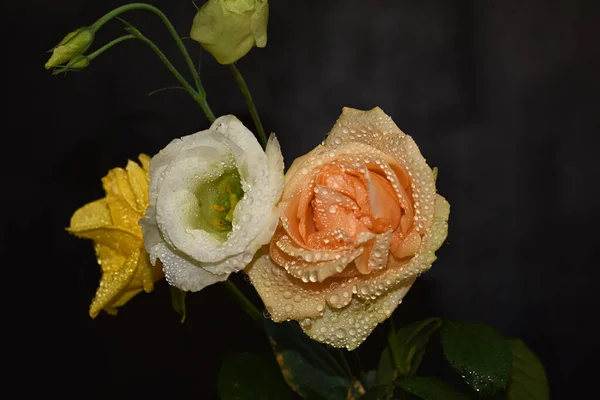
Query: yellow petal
x,y
138,180
123,297
111,284
91,216
109,259
121,201
150,273
116,238
145,161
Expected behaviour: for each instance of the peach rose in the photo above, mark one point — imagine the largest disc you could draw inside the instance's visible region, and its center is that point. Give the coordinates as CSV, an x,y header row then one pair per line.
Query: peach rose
x,y
360,220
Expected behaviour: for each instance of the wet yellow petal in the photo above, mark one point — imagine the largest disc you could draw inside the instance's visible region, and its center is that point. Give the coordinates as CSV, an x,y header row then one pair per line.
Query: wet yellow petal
x,y
121,201
109,259
91,216
113,237
145,161
111,284
138,179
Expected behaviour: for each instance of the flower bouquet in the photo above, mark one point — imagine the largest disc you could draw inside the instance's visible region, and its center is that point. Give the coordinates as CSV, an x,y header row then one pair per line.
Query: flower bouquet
x,y
331,245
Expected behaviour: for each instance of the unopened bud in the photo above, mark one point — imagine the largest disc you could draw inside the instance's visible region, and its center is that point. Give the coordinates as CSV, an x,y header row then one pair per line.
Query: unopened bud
x,y
74,44
228,29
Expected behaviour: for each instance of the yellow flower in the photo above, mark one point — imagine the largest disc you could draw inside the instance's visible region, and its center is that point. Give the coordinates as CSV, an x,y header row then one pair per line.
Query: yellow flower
x,y
228,29
112,223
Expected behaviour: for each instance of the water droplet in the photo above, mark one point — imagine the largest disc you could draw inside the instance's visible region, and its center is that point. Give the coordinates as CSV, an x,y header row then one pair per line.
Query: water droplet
x,y
297,298
288,308
334,298
332,209
306,324
287,295
320,308
340,333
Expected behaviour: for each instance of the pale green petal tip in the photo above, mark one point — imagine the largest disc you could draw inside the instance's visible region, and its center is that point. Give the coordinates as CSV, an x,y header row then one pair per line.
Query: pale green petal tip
x,y
228,29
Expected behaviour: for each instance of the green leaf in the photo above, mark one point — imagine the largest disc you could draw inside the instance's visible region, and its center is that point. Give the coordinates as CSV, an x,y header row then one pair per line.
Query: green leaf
x,y
479,353
528,380
368,379
430,389
250,377
178,302
411,342
307,367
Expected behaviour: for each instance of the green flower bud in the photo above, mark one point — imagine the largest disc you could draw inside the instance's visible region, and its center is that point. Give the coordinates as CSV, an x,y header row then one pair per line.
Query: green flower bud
x,y
74,44
77,63
228,29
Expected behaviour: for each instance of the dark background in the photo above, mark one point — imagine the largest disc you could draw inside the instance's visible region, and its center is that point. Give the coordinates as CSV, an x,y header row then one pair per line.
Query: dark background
x,y
502,96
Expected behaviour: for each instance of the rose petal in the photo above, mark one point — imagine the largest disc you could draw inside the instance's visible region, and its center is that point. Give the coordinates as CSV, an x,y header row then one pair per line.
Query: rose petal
x,y
374,284
378,130
288,298
349,327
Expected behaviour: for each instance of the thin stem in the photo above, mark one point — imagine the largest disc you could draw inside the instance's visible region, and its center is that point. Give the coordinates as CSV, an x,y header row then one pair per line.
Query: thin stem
x,y
107,46
199,99
246,304
345,364
358,363
201,93
244,89
394,346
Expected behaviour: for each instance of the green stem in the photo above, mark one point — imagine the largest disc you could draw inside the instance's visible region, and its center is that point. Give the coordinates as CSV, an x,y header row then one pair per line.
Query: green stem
x,y
244,89
345,364
200,100
394,346
246,304
107,46
200,96
358,363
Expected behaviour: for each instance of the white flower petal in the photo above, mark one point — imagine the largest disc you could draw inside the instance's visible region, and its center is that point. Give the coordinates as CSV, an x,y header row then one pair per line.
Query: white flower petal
x,y
192,257
182,272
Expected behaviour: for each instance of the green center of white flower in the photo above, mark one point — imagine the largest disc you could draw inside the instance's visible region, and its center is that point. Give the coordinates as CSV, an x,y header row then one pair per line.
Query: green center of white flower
x,y
217,200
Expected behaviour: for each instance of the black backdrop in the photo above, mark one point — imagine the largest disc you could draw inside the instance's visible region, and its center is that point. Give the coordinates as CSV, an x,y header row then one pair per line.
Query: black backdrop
x,y
502,96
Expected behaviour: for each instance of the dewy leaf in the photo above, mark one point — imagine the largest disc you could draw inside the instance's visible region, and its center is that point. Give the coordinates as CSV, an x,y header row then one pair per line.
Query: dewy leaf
x,y
178,302
528,380
479,353
307,367
430,389
411,341
250,377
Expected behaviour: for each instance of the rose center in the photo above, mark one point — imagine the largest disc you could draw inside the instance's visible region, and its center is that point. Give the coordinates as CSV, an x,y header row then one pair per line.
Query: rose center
x,y
217,200
355,203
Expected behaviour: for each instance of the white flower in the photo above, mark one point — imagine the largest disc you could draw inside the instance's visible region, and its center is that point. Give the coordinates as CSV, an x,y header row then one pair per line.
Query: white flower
x,y
212,203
